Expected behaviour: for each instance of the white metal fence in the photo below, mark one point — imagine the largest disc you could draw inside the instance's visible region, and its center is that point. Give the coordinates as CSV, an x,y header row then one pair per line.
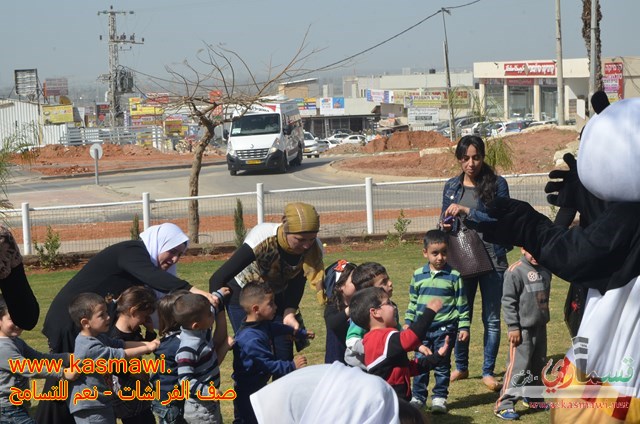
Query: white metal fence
x,y
345,210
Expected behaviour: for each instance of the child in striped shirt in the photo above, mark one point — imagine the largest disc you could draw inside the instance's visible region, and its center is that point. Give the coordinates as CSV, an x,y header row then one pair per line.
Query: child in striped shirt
x,y
437,280
199,355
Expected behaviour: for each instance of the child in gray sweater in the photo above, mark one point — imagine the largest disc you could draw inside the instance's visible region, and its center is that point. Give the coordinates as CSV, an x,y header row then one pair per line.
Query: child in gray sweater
x,y
525,307
15,374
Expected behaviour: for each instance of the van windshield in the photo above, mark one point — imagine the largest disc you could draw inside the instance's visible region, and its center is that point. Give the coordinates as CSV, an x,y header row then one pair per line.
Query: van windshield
x,y
264,123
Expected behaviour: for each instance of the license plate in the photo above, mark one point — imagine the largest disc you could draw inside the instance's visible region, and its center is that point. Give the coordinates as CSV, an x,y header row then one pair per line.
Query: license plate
x,y
254,162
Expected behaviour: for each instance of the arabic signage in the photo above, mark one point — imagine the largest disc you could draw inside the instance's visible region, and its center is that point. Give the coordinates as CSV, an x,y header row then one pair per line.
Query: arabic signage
x,y
532,69
613,81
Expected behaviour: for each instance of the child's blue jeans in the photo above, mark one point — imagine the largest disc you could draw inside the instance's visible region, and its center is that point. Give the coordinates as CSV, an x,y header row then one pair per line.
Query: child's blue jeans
x,y
14,414
173,413
434,341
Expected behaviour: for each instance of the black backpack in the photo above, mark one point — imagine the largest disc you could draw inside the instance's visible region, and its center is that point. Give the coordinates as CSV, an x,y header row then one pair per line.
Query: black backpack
x,y
331,275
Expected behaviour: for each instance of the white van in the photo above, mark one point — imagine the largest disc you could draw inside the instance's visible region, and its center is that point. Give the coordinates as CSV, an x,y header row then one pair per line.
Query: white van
x,y
268,136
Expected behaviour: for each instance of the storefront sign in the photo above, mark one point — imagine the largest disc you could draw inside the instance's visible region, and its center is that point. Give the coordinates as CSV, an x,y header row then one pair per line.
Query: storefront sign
x,y
438,99
533,69
613,81
519,82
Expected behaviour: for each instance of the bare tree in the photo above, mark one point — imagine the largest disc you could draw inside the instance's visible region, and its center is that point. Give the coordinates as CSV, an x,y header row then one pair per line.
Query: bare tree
x,y
217,71
586,35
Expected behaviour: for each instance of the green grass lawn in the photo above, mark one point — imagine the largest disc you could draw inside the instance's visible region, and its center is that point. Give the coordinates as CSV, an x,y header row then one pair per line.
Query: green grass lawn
x,y
469,401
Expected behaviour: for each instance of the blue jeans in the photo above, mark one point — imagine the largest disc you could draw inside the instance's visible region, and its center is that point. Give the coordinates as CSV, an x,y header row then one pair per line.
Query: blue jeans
x,y
491,292
169,414
434,340
14,414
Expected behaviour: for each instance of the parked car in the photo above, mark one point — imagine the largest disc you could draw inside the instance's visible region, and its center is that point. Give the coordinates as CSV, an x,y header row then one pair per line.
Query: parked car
x,y
463,125
355,139
338,137
341,131
312,145
331,143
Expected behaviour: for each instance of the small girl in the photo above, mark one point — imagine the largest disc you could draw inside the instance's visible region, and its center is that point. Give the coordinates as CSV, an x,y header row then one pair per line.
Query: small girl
x,y
336,312
169,331
133,308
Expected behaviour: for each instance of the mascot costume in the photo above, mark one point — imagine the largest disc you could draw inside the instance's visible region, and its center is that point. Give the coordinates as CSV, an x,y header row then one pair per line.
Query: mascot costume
x,y
599,380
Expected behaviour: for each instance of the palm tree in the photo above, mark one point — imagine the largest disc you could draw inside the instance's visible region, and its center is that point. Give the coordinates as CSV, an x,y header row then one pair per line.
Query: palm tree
x,y
586,35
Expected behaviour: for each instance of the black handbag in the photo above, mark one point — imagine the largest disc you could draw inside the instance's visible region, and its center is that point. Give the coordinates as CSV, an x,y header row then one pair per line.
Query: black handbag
x,y
467,253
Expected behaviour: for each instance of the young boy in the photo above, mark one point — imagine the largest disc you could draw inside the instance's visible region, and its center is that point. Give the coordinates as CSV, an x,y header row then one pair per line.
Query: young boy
x,y
200,354
525,307
89,312
368,274
254,361
13,348
385,348
437,279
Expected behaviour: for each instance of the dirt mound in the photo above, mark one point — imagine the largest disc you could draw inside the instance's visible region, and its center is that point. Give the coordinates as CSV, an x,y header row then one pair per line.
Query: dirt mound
x,y
532,152
399,141
57,159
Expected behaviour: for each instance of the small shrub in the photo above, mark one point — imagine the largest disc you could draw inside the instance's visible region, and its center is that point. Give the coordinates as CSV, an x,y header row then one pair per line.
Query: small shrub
x,y
238,224
401,226
135,228
49,252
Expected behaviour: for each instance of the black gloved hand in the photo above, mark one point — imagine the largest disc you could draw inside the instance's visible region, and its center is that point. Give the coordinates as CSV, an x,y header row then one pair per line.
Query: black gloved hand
x,y
563,193
570,193
515,222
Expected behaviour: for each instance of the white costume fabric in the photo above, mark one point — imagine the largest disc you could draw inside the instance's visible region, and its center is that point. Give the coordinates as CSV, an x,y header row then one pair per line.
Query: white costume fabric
x,y
329,393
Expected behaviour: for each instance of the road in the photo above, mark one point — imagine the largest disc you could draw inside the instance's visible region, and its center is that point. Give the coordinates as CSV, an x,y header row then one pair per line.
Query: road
x,y
215,180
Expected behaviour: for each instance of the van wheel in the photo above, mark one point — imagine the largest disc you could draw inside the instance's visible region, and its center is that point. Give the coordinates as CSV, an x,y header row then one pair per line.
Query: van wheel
x,y
284,165
233,172
298,160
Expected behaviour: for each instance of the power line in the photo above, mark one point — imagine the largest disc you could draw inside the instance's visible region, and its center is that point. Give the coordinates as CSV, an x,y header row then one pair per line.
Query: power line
x,y
360,53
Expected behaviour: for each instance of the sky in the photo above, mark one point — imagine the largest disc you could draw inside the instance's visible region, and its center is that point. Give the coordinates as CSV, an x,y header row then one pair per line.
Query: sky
x,y
61,39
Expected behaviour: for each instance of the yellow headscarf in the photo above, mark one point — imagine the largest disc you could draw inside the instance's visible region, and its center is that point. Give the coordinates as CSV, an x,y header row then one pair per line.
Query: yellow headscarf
x,y
303,218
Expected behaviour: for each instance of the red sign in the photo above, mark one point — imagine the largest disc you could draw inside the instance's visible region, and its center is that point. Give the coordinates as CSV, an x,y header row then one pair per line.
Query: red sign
x,y
613,81
532,69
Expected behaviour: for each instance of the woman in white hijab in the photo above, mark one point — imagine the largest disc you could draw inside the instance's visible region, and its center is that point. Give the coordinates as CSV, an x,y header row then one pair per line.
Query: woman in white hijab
x,y
328,393
150,262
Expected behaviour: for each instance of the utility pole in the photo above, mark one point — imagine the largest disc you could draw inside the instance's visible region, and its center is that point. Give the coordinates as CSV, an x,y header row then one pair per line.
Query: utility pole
x,y
559,74
119,80
592,58
452,128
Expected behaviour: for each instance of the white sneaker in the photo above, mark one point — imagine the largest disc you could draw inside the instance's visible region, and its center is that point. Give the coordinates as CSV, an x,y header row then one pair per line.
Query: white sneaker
x,y
439,406
417,403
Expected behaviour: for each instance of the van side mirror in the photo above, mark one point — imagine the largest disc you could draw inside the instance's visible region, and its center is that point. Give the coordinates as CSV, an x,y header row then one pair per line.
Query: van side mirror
x,y
287,130
225,134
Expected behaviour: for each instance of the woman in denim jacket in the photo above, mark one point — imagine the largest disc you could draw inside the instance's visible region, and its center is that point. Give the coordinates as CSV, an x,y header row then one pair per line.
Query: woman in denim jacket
x,y
467,196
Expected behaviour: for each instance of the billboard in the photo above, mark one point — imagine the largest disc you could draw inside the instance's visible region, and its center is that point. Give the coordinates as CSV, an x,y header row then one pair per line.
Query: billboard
x,y
26,81
102,114
613,81
140,107
439,99
332,106
60,114
422,115
306,106
56,87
